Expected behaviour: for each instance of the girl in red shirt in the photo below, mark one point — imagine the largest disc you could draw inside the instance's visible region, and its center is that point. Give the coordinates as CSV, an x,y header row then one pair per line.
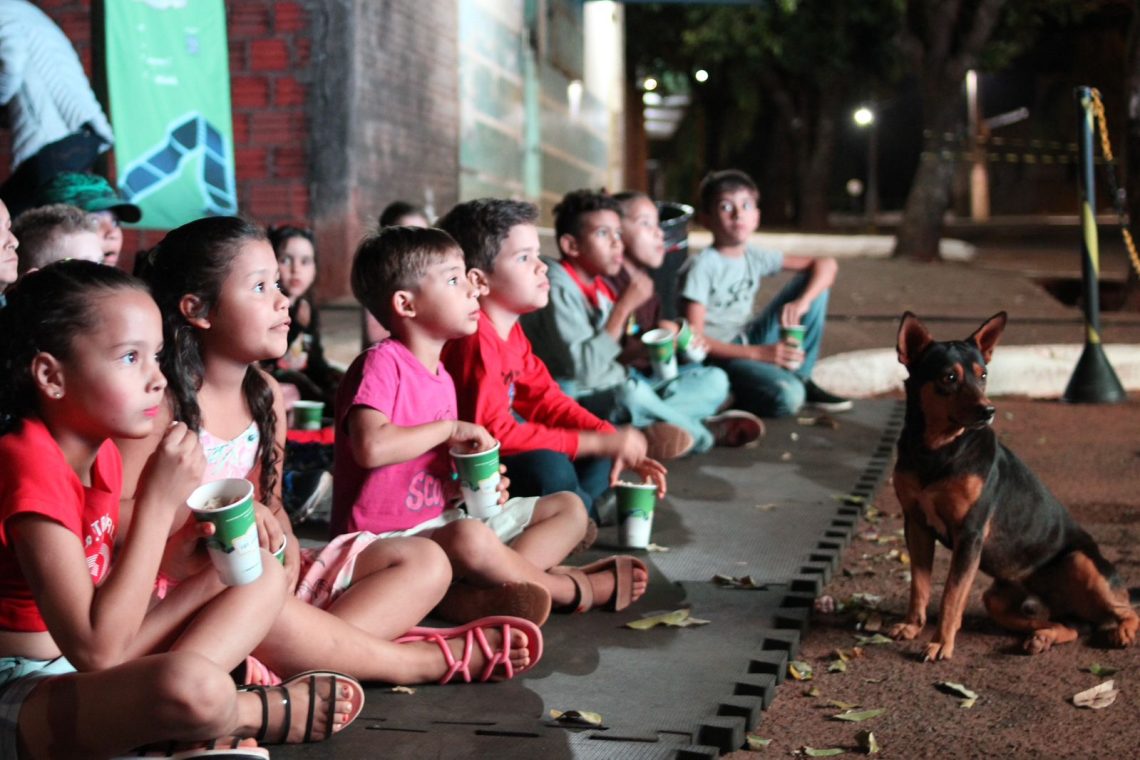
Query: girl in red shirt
x,y
90,665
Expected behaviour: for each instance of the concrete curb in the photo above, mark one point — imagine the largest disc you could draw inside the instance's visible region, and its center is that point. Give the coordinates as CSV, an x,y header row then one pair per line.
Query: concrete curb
x,y
1033,371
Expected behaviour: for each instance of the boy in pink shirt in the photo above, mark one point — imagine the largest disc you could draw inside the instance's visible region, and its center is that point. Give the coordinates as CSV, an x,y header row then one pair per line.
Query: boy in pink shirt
x,y
396,419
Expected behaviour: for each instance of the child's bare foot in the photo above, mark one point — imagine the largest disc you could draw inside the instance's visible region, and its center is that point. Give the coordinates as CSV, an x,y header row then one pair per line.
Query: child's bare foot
x,y
307,707
478,649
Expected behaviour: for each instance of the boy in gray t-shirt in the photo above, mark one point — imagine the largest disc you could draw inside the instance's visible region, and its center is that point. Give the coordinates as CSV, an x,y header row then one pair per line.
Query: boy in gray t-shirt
x,y
770,377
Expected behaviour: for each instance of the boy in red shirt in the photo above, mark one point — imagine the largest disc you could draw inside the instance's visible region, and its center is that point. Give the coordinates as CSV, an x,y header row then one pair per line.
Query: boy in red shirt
x,y
549,442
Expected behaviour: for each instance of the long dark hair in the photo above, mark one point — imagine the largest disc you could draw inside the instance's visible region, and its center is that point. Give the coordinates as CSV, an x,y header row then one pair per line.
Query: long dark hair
x,y
47,309
194,260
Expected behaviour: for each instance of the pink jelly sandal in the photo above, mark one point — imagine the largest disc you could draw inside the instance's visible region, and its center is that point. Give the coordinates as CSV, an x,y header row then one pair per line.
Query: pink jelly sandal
x,y
473,635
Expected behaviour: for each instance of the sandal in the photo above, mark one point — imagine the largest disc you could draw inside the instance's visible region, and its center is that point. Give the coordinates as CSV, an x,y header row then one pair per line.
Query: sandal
x,y
210,751
465,603
473,635
621,565
357,700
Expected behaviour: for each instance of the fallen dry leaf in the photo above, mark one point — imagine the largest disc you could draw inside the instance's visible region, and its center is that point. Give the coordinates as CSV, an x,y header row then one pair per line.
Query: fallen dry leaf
x,y
842,705
813,752
767,507
800,670
402,690
755,742
877,639
837,666
676,619
867,742
577,717
858,716
743,581
656,548
1098,697
1100,670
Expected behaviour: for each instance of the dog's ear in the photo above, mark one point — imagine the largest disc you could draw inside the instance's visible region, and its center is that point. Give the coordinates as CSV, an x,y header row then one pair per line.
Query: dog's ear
x,y
986,336
913,339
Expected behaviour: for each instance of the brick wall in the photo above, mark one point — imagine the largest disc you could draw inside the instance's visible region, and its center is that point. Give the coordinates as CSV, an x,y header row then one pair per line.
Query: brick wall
x,y
270,50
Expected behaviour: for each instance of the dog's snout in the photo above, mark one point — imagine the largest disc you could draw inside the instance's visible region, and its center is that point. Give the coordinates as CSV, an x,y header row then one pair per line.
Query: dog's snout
x,y
987,412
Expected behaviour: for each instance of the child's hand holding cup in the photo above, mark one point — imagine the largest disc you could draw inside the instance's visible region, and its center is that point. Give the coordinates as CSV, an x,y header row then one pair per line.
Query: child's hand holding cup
x,y
478,474
793,335
234,547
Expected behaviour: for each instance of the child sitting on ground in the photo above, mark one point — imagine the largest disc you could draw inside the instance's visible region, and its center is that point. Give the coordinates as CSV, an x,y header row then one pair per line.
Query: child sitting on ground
x,y
90,665
9,259
304,364
54,233
549,442
395,214
644,251
578,335
215,282
396,419
94,195
770,377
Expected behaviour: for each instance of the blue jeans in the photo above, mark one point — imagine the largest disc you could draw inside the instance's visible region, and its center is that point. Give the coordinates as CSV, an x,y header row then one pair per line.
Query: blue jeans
x,y
694,394
765,389
542,472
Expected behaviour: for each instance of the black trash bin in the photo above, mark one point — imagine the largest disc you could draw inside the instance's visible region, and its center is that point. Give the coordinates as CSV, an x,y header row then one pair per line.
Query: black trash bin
x,y
674,221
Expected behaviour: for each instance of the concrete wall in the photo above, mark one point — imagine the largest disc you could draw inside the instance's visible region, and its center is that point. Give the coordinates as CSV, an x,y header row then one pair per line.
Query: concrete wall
x,y
535,119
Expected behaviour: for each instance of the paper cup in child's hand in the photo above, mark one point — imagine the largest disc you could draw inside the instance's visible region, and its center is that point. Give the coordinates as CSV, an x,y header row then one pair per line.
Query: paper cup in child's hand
x,y
662,352
793,335
280,551
478,473
307,415
688,344
635,504
234,550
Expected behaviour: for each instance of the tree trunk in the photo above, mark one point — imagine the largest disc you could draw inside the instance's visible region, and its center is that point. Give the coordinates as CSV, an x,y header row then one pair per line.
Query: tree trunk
x,y
815,168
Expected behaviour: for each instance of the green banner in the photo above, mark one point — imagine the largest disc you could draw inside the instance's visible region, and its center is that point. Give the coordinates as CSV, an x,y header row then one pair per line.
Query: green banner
x,y
169,85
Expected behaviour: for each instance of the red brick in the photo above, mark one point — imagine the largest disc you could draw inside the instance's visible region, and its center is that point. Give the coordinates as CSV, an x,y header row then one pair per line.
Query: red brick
x,y
276,128
251,163
249,92
287,91
299,200
241,128
238,57
303,48
247,20
272,200
77,26
290,162
268,55
289,17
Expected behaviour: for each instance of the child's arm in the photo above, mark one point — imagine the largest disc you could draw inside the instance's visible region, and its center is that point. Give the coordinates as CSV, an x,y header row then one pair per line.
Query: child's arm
x,y
270,532
639,290
376,441
97,628
821,276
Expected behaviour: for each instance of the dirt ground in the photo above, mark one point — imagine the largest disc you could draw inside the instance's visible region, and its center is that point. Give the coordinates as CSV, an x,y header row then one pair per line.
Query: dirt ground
x,y
1090,457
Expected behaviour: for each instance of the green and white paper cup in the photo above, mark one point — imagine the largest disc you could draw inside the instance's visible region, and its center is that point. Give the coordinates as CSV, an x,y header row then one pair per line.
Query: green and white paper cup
x,y
228,504
280,552
662,352
307,415
635,503
478,473
793,335
687,346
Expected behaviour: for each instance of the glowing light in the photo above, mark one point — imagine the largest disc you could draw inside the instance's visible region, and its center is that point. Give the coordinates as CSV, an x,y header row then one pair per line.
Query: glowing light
x,y
864,116
649,84
701,75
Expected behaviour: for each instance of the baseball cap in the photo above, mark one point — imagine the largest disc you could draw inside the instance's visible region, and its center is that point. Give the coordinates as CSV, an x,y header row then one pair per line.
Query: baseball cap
x,y
89,192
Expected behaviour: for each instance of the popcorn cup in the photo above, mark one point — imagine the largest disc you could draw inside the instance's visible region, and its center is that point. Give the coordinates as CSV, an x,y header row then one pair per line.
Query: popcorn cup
x,y
793,335
662,352
307,415
478,473
686,344
635,503
233,548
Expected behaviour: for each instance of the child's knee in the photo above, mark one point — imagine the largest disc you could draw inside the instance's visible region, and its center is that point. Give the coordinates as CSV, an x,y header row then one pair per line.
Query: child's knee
x,y
568,504
193,691
469,543
789,396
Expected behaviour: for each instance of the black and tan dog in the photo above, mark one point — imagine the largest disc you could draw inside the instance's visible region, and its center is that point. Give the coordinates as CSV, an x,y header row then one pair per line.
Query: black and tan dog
x,y
959,485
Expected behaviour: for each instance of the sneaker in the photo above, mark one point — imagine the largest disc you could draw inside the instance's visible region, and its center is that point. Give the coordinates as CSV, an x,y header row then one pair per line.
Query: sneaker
x,y
306,493
735,427
818,398
667,441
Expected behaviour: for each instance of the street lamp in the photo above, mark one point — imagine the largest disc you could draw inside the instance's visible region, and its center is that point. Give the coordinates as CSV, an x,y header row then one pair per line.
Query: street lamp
x,y
864,118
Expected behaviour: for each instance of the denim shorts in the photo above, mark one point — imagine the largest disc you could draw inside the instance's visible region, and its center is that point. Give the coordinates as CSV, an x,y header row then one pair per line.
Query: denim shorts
x,y
18,676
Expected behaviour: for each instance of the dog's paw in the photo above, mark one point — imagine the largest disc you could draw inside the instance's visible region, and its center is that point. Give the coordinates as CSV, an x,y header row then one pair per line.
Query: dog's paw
x,y
938,650
1124,634
1040,641
905,631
